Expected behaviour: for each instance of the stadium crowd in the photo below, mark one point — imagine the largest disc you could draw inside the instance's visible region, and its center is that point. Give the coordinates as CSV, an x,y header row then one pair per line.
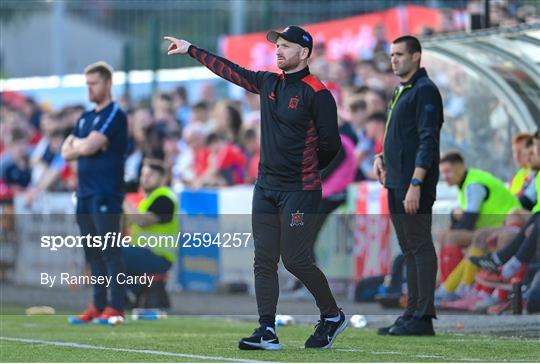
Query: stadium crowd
x,y
214,143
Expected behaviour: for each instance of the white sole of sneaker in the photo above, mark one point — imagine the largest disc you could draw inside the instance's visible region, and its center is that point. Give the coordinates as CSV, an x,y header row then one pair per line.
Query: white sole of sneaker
x,y
338,331
260,346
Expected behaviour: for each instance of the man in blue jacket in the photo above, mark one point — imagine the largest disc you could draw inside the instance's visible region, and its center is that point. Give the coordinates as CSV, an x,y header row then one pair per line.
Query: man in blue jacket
x,y
409,169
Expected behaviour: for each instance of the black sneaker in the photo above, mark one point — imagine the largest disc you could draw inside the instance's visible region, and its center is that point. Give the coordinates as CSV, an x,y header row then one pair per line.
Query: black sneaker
x,y
414,327
485,262
383,331
326,332
261,339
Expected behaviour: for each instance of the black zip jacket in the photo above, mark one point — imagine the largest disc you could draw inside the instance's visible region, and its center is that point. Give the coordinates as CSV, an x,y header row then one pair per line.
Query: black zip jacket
x,y
299,132
412,133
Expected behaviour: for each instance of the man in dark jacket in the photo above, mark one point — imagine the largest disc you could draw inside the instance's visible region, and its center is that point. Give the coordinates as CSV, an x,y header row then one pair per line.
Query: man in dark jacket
x,y
409,169
299,137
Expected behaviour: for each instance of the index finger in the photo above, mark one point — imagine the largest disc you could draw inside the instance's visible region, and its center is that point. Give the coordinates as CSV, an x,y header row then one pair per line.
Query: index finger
x,y
169,38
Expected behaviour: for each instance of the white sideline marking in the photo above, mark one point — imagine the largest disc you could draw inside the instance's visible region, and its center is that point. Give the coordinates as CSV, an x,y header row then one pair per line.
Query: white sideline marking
x,y
138,351
423,356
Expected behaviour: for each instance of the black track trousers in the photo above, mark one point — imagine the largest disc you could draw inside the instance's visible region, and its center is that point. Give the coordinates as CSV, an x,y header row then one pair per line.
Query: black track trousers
x,y
285,225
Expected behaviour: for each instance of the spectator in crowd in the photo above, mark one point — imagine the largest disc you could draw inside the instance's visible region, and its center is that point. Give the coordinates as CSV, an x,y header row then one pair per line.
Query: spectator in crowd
x,y
381,44
457,291
522,249
163,109
375,129
15,166
172,149
139,120
521,153
193,158
200,113
227,121
12,117
156,215
154,138
252,113
354,127
484,203
357,117
208,94
226,163
251,146
363,72
483,198
32,112
46,160
375,101
318,63
181,106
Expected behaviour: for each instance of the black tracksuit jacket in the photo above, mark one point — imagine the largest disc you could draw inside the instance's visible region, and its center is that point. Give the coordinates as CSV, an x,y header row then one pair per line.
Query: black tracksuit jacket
x,y
299,132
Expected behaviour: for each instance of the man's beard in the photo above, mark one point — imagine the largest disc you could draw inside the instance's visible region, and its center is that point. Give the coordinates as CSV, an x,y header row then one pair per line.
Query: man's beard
x,y
96,99
405,70
399,72
288,64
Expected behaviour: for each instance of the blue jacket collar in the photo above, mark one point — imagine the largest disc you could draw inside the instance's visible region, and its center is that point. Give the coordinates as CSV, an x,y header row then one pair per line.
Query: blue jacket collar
x,y
418,74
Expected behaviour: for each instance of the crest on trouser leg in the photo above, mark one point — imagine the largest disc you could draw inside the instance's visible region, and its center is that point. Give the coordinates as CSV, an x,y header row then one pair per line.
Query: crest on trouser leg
x,y
297,218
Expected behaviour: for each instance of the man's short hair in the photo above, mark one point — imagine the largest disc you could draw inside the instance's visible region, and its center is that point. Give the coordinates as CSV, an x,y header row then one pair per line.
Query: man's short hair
x,y
155,164
249,134
380,93
103,68
359,90
165,97
377,117
412,43
201,105
453,158
17,135
525,138
214,138
358,105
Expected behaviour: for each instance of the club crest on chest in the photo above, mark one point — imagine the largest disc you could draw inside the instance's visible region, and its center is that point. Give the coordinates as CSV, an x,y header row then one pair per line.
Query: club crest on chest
x,y
293,102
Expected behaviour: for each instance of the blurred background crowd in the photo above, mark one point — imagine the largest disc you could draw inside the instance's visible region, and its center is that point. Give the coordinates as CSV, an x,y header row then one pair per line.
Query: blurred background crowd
x,y
213,141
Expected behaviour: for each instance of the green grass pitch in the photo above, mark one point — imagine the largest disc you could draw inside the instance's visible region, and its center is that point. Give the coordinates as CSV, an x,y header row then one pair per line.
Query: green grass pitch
x,y
52,339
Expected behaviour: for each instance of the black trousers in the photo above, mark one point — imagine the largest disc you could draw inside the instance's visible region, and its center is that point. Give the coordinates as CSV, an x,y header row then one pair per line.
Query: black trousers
x,y
416,243
285,225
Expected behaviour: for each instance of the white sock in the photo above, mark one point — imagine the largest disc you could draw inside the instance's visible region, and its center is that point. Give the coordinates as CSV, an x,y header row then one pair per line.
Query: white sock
x,y
333,319
482,294
271,329
510,268
441,291
462,290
